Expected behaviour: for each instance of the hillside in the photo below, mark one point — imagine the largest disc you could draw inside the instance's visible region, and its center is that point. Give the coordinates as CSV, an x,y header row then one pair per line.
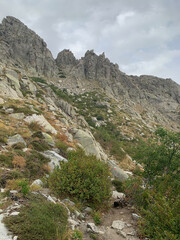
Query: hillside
x,y
64,111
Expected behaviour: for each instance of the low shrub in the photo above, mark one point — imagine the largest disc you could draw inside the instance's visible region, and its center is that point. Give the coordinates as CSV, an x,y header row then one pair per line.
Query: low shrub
x,y
19,162
6,159
82,177
62,148
9,175
40,145
118,185
77,235
97,218
35,165
39,220
24,187
34,126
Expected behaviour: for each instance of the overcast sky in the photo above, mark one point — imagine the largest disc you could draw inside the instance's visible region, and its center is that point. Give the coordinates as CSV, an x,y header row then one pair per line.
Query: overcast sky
x,y
142,36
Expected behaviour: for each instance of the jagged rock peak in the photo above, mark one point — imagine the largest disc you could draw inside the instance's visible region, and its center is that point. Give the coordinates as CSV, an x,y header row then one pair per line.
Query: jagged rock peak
x,y
66,58
20,46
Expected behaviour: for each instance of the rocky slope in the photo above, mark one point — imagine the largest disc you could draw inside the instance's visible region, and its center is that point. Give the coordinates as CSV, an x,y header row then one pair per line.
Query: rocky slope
x,y
51,107
160,97
157,99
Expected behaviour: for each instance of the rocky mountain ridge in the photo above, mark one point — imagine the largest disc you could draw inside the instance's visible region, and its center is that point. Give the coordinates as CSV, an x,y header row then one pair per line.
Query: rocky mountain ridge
x,y
157,98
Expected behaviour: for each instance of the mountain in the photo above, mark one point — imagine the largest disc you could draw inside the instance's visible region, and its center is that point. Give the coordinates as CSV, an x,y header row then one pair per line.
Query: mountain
x,y
156,98
160,98
72,131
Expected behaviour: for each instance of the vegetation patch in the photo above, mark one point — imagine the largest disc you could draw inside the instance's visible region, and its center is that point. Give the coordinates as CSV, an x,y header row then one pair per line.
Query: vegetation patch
x,y
39,220
156,193
39,80
82,177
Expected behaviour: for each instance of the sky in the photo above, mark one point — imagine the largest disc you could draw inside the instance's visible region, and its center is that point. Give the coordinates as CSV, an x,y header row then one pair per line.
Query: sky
x,y
141,36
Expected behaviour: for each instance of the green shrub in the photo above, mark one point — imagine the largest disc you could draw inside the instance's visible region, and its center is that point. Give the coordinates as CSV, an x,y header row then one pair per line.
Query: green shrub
x,y
93,236
19,146
39,220
24,187
40,145
97,218
62,148
34,126
38,80
9,175
6,160
77,235
34,165
83,177
160,213
118,185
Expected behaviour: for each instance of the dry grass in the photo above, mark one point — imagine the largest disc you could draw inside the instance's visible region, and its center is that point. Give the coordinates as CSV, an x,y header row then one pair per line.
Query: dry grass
x,y
19,162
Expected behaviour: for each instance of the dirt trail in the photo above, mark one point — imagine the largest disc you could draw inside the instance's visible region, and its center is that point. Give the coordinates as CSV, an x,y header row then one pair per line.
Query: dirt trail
x,y
129,232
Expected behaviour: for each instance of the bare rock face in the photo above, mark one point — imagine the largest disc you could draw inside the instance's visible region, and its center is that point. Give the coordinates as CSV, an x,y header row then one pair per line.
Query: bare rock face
x,y
22,47
159,97
66,58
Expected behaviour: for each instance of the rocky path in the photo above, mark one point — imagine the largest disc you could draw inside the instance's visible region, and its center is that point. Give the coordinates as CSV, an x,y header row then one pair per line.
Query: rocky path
x,y
117,224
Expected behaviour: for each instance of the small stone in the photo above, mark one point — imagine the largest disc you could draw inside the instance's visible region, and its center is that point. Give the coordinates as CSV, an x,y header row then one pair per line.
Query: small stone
x,y
69,202
118,195
15,139
1,101
18,116
14,214
37,182
73,223
15,237
123,234
9,110
119,225
129,225
88,210
50,199
135,216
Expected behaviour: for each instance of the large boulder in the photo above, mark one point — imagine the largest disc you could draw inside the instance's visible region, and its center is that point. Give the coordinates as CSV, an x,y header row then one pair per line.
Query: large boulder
x,y
15,139
89,144
40,119
55,159
117,172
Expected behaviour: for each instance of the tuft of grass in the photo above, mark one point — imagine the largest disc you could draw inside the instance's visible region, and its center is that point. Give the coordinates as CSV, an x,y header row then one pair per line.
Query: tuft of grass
x,y
97,218
39,220
40,145
77,235
34,126
39,80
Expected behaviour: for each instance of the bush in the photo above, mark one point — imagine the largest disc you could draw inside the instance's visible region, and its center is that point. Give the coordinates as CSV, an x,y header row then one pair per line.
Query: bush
x,y
40,145
39,220
97,218
35,165
83,177
19,162
160,215
24,187
118,185
77,235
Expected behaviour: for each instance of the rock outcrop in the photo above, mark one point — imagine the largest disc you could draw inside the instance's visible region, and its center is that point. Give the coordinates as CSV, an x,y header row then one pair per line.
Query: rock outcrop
x,y
161,97
23,48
